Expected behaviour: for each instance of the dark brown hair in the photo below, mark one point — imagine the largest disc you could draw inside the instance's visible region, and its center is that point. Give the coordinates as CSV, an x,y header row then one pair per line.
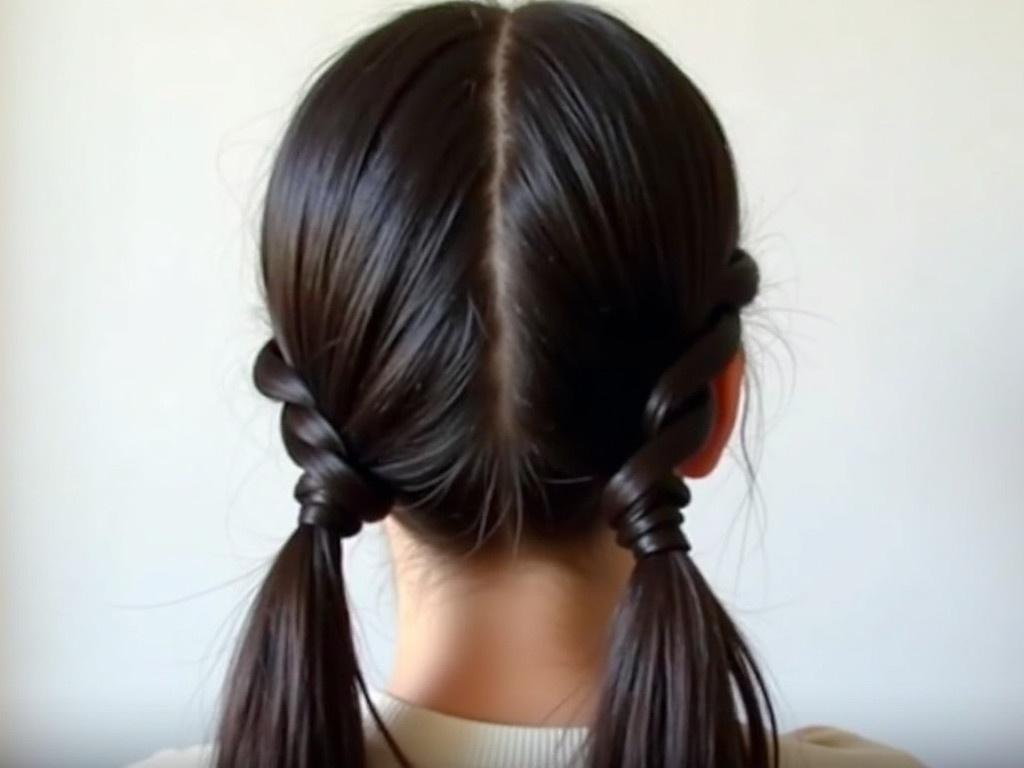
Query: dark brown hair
x,y
499,251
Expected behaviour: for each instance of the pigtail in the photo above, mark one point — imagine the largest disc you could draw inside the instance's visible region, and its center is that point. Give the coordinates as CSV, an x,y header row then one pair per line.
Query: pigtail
x,y
681,674
292,696
677,666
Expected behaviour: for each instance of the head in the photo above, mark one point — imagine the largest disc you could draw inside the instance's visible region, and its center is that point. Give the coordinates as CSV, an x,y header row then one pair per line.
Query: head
x,y
501,264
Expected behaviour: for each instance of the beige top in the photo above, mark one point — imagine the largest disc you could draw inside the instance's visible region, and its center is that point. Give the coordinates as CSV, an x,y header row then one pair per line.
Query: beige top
x,y
435,740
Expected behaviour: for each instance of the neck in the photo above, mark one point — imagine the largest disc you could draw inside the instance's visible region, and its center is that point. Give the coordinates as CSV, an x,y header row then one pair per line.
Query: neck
x,y
518,638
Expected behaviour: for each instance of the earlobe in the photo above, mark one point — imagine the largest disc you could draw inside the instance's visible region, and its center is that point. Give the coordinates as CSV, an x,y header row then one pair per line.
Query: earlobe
x,y
725,390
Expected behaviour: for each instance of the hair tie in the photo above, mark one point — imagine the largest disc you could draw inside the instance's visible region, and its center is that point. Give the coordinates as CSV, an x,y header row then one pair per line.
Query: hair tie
x,y
340,499
654,524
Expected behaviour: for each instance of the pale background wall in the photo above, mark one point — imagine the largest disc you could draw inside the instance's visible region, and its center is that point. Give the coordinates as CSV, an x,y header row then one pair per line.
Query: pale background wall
x,y
142,482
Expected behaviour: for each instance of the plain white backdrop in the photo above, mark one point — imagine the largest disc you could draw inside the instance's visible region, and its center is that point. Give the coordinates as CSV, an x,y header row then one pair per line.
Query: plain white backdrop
x,y
143,484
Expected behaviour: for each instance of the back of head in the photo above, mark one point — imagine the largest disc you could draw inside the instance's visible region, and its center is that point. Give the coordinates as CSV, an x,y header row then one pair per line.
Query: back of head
x,y
500,260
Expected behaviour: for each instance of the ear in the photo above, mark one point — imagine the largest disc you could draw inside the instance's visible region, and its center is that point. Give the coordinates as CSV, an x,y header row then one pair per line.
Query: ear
x,y
725,392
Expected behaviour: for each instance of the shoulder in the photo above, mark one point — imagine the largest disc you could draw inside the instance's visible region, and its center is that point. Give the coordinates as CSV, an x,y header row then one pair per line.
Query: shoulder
x,y
826,747
812,747
200,756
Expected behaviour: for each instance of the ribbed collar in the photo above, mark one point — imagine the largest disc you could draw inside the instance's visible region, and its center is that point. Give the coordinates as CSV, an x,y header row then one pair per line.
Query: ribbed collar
x,y
435,740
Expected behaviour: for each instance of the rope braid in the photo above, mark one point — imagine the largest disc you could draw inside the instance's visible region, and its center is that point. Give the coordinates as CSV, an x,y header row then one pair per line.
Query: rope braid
x,y
295,681
671,637
642,500
332,491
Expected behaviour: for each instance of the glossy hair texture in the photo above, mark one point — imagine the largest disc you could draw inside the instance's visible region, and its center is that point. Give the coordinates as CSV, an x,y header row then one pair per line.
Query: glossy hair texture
x,y
500,260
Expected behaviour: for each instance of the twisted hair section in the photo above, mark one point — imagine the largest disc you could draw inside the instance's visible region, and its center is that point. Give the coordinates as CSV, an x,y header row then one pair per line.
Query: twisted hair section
x,y
331,491
294,687
678,663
